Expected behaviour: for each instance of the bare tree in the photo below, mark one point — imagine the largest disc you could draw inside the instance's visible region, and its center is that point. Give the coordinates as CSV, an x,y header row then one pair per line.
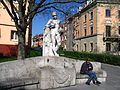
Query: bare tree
x,y
23,12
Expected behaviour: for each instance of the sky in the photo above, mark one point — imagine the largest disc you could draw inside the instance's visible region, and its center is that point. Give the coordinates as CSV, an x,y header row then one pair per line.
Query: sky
x,y
40,20
39,23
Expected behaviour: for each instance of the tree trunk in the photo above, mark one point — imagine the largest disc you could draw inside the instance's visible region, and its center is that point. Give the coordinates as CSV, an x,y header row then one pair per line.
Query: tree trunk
x,y
29,39
21,45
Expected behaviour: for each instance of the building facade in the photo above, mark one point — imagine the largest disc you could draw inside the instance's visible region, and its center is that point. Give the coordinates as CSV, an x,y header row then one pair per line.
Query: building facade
x,y
8,34
69,34
94,23
37,41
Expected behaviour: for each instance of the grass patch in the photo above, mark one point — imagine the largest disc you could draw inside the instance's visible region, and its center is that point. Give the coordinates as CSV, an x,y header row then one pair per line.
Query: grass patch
x,y
6,59
33,53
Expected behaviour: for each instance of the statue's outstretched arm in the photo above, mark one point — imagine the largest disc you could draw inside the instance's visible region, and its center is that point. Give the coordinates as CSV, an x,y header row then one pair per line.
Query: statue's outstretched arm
x,y
48,23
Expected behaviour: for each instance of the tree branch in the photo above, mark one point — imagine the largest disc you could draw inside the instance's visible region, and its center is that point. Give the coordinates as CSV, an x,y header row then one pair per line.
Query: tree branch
x,y
13,11
7,9
49,7
63,2
10,13
25,2
56,2
36,8
40,5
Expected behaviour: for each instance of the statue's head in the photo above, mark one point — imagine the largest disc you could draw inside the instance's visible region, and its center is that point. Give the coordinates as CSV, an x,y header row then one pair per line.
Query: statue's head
x,y
54,15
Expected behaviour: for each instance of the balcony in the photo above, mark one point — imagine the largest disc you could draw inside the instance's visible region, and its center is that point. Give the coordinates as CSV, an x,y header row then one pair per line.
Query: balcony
x,y
112,39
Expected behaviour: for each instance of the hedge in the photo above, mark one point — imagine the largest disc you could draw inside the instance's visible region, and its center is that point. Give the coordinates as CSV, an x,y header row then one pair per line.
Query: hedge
x,y
37,51
103,57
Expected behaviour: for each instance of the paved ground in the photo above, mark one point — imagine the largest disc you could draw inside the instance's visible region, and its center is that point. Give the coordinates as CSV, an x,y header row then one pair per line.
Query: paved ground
x,y
112,83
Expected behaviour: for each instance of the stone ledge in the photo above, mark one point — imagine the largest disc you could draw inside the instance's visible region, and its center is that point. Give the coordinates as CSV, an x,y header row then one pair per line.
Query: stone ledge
x,y
39,70
18,83
100,74
82,81
81,78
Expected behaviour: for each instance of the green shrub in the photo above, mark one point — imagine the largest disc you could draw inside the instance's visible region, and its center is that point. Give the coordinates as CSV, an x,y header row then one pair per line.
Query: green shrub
x,y
103,58
34,52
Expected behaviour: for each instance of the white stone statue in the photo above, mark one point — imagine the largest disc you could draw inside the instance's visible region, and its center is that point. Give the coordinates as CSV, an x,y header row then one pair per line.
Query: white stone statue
x,y
51,36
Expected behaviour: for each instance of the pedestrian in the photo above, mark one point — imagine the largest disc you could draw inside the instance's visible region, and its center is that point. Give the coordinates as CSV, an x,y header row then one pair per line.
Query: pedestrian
x,y
87,69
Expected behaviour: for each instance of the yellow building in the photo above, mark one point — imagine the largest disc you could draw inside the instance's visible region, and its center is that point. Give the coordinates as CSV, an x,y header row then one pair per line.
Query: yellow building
x,y
97,21
8,34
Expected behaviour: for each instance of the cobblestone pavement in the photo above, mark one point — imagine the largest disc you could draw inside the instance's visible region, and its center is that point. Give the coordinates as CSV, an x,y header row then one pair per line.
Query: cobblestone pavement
x,y
112,83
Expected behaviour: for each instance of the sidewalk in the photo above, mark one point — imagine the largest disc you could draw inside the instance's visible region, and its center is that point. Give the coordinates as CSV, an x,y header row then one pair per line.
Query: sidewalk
x,y
112,83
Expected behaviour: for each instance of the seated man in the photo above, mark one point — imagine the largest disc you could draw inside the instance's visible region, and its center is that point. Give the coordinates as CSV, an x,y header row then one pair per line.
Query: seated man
x,y
87,68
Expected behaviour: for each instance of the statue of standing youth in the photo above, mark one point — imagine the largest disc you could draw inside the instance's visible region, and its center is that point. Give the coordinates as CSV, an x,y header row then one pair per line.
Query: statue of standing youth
x,y
51,36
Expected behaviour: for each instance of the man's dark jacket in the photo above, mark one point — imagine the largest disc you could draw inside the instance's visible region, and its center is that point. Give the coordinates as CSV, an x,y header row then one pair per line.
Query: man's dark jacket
x,y
86,67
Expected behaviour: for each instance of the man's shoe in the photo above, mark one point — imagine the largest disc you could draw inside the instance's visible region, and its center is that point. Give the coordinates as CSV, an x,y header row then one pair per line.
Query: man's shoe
x,y
94,82
97,82
87,83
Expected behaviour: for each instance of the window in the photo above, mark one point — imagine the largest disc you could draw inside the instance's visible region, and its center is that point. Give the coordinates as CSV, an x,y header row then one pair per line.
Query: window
x,y
91,30
118,13
65,37
108,47
77,34
14,35
85,47
91,45
85,31
119,29
119,47
108,31
77,47
108,13
91,16
85,18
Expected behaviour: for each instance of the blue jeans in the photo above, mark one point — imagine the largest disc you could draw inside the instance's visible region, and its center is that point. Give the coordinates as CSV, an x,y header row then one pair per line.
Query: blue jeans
x,y
92,76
